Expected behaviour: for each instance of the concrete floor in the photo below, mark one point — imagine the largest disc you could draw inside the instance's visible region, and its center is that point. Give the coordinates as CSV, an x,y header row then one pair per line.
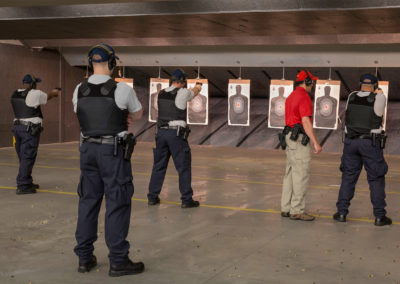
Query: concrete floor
x,y
237,236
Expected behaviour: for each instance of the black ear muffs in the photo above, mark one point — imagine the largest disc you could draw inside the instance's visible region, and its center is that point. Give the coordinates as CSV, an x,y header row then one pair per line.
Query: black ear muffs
x,y
33,84
308,81
112,62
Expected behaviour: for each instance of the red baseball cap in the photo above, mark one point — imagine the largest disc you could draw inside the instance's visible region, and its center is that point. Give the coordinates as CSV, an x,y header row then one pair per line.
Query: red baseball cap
x,y
303,75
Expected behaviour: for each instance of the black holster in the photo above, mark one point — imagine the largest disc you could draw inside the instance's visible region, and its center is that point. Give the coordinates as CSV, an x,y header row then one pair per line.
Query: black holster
x,y
380,138
296,131
129,142
183,132
282,137
35,129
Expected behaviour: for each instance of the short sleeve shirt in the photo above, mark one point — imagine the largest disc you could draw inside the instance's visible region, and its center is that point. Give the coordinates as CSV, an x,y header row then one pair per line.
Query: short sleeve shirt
x,y
297,106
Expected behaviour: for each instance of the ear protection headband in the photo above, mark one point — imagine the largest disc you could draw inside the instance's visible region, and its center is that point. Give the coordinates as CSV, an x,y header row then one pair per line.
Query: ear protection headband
x,y
112,62
308,81
33,84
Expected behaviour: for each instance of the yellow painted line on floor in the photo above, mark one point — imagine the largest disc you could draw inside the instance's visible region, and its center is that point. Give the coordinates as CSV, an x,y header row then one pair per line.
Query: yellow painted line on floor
x,y
206,206
213,179
262,171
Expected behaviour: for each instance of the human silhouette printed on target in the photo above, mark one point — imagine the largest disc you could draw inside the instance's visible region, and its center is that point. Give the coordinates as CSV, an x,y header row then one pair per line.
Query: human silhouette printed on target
x,y
198,109
325,115
277,110
154,103
238,113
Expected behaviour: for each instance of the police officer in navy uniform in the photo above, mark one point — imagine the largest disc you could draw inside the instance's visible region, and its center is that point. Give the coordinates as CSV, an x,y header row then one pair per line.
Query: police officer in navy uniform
x,y
102,106
26,104
363,146
171,139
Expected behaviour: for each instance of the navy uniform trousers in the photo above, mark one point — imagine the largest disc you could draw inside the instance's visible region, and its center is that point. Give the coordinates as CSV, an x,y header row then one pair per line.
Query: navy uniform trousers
x,y
167,145
26,147
356,153
102,173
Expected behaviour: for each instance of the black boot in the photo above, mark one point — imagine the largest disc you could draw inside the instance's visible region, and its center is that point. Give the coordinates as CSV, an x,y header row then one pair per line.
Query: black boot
x,y
29,190
87,266
339,217
126,268
190,204
154,201
382,221
35,185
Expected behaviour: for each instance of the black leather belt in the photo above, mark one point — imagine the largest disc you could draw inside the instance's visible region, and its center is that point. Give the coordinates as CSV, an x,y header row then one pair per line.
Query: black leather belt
x,y
170,127
21,122
103,140
364,136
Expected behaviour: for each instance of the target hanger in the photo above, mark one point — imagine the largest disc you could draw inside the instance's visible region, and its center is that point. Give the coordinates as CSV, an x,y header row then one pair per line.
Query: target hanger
x,y
330,71
123,71
283,70
159,69
240,70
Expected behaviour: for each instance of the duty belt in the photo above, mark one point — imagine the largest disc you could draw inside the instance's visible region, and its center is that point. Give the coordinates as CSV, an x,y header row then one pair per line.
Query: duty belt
x,y
22,122
170,127
103,140
363,136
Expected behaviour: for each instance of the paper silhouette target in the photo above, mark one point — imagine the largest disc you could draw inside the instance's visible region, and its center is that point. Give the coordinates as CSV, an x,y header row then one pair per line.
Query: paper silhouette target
x,y
384,85
326,106
198,108
279,90
239,102
156,85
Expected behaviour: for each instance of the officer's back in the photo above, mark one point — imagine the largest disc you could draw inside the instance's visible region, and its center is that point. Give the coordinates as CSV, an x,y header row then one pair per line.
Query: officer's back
x,y
363,146
102,107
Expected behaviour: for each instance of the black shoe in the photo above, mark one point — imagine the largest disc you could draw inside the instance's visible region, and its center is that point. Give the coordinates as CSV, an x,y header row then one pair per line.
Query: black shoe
x,y
126,268
29,190
339,217
154,201
87,266
285,214
382,221
190,204
35,185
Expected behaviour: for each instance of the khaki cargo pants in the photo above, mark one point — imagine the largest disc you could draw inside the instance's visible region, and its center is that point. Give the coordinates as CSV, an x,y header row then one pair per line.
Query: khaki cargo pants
x,y
295,181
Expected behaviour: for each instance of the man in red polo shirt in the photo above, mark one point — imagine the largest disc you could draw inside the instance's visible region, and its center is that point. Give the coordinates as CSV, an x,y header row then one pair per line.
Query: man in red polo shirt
x,y
298,119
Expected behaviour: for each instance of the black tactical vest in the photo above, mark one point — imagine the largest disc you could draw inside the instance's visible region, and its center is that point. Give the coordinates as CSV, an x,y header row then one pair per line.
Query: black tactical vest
x,y
167,110
97,112
360,115
21,110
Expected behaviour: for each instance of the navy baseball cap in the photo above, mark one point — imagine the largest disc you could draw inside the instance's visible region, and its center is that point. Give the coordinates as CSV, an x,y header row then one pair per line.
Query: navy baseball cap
x,y
178,75
101,50
29,79
368,79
